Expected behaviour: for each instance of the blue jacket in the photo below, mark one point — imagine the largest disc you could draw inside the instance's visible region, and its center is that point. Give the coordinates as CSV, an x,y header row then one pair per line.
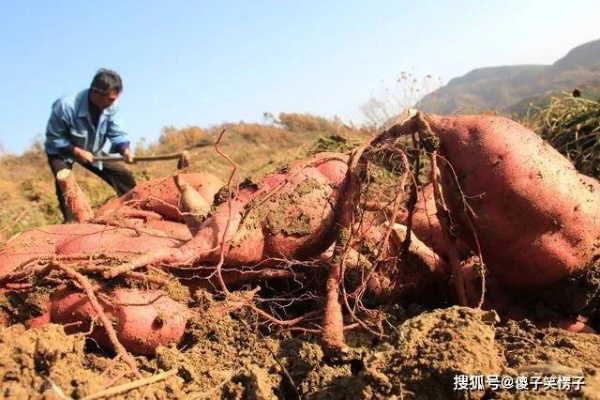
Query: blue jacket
x,y
70,124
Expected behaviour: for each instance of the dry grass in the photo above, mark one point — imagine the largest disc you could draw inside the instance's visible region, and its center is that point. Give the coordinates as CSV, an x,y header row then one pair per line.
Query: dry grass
x,y
572,126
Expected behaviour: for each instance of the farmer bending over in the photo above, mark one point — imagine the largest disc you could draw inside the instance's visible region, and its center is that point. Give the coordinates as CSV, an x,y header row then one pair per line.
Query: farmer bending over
x,y
78,128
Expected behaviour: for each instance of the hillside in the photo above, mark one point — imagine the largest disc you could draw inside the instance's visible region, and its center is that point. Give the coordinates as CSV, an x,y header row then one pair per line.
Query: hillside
x,y
506,89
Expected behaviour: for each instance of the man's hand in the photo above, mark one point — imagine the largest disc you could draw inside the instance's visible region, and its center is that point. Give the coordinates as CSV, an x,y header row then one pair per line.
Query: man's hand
x,y
128,156
84,157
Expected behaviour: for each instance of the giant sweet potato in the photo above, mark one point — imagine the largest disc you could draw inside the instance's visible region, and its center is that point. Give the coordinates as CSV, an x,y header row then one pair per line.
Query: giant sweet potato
x,y
536,218
142,319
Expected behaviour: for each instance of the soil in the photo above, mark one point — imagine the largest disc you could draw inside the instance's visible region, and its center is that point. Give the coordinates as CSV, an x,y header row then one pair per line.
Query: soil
x,y
226,355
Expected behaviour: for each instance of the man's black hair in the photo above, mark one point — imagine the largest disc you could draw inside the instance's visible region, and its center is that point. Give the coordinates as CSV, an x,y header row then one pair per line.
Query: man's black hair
x,y
106,81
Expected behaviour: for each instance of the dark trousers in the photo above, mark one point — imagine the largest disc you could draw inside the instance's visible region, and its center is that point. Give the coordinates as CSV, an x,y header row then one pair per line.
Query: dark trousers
x,y
113,173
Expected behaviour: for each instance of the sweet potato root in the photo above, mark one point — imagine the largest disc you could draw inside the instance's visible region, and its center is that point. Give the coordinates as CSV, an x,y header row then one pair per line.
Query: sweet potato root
x,y
426,225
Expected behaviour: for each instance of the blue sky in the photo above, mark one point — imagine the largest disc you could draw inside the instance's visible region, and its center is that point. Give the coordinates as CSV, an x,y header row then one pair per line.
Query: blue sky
x,y
207,62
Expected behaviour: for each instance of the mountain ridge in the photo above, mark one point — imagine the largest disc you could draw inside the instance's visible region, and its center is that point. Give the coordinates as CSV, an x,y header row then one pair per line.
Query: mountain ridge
x,y
504,88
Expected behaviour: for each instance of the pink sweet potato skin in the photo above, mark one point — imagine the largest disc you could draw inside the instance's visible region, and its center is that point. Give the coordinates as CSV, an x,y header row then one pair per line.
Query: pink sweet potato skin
x,y
80,239
174,230
162,196
537,218
143,320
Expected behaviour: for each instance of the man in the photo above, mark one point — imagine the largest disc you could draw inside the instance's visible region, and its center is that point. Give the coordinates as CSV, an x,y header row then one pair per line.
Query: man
x,y
78,128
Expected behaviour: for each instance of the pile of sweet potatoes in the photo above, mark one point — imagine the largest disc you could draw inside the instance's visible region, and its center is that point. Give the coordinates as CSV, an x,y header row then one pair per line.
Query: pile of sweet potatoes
x,y
288,216
504,212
